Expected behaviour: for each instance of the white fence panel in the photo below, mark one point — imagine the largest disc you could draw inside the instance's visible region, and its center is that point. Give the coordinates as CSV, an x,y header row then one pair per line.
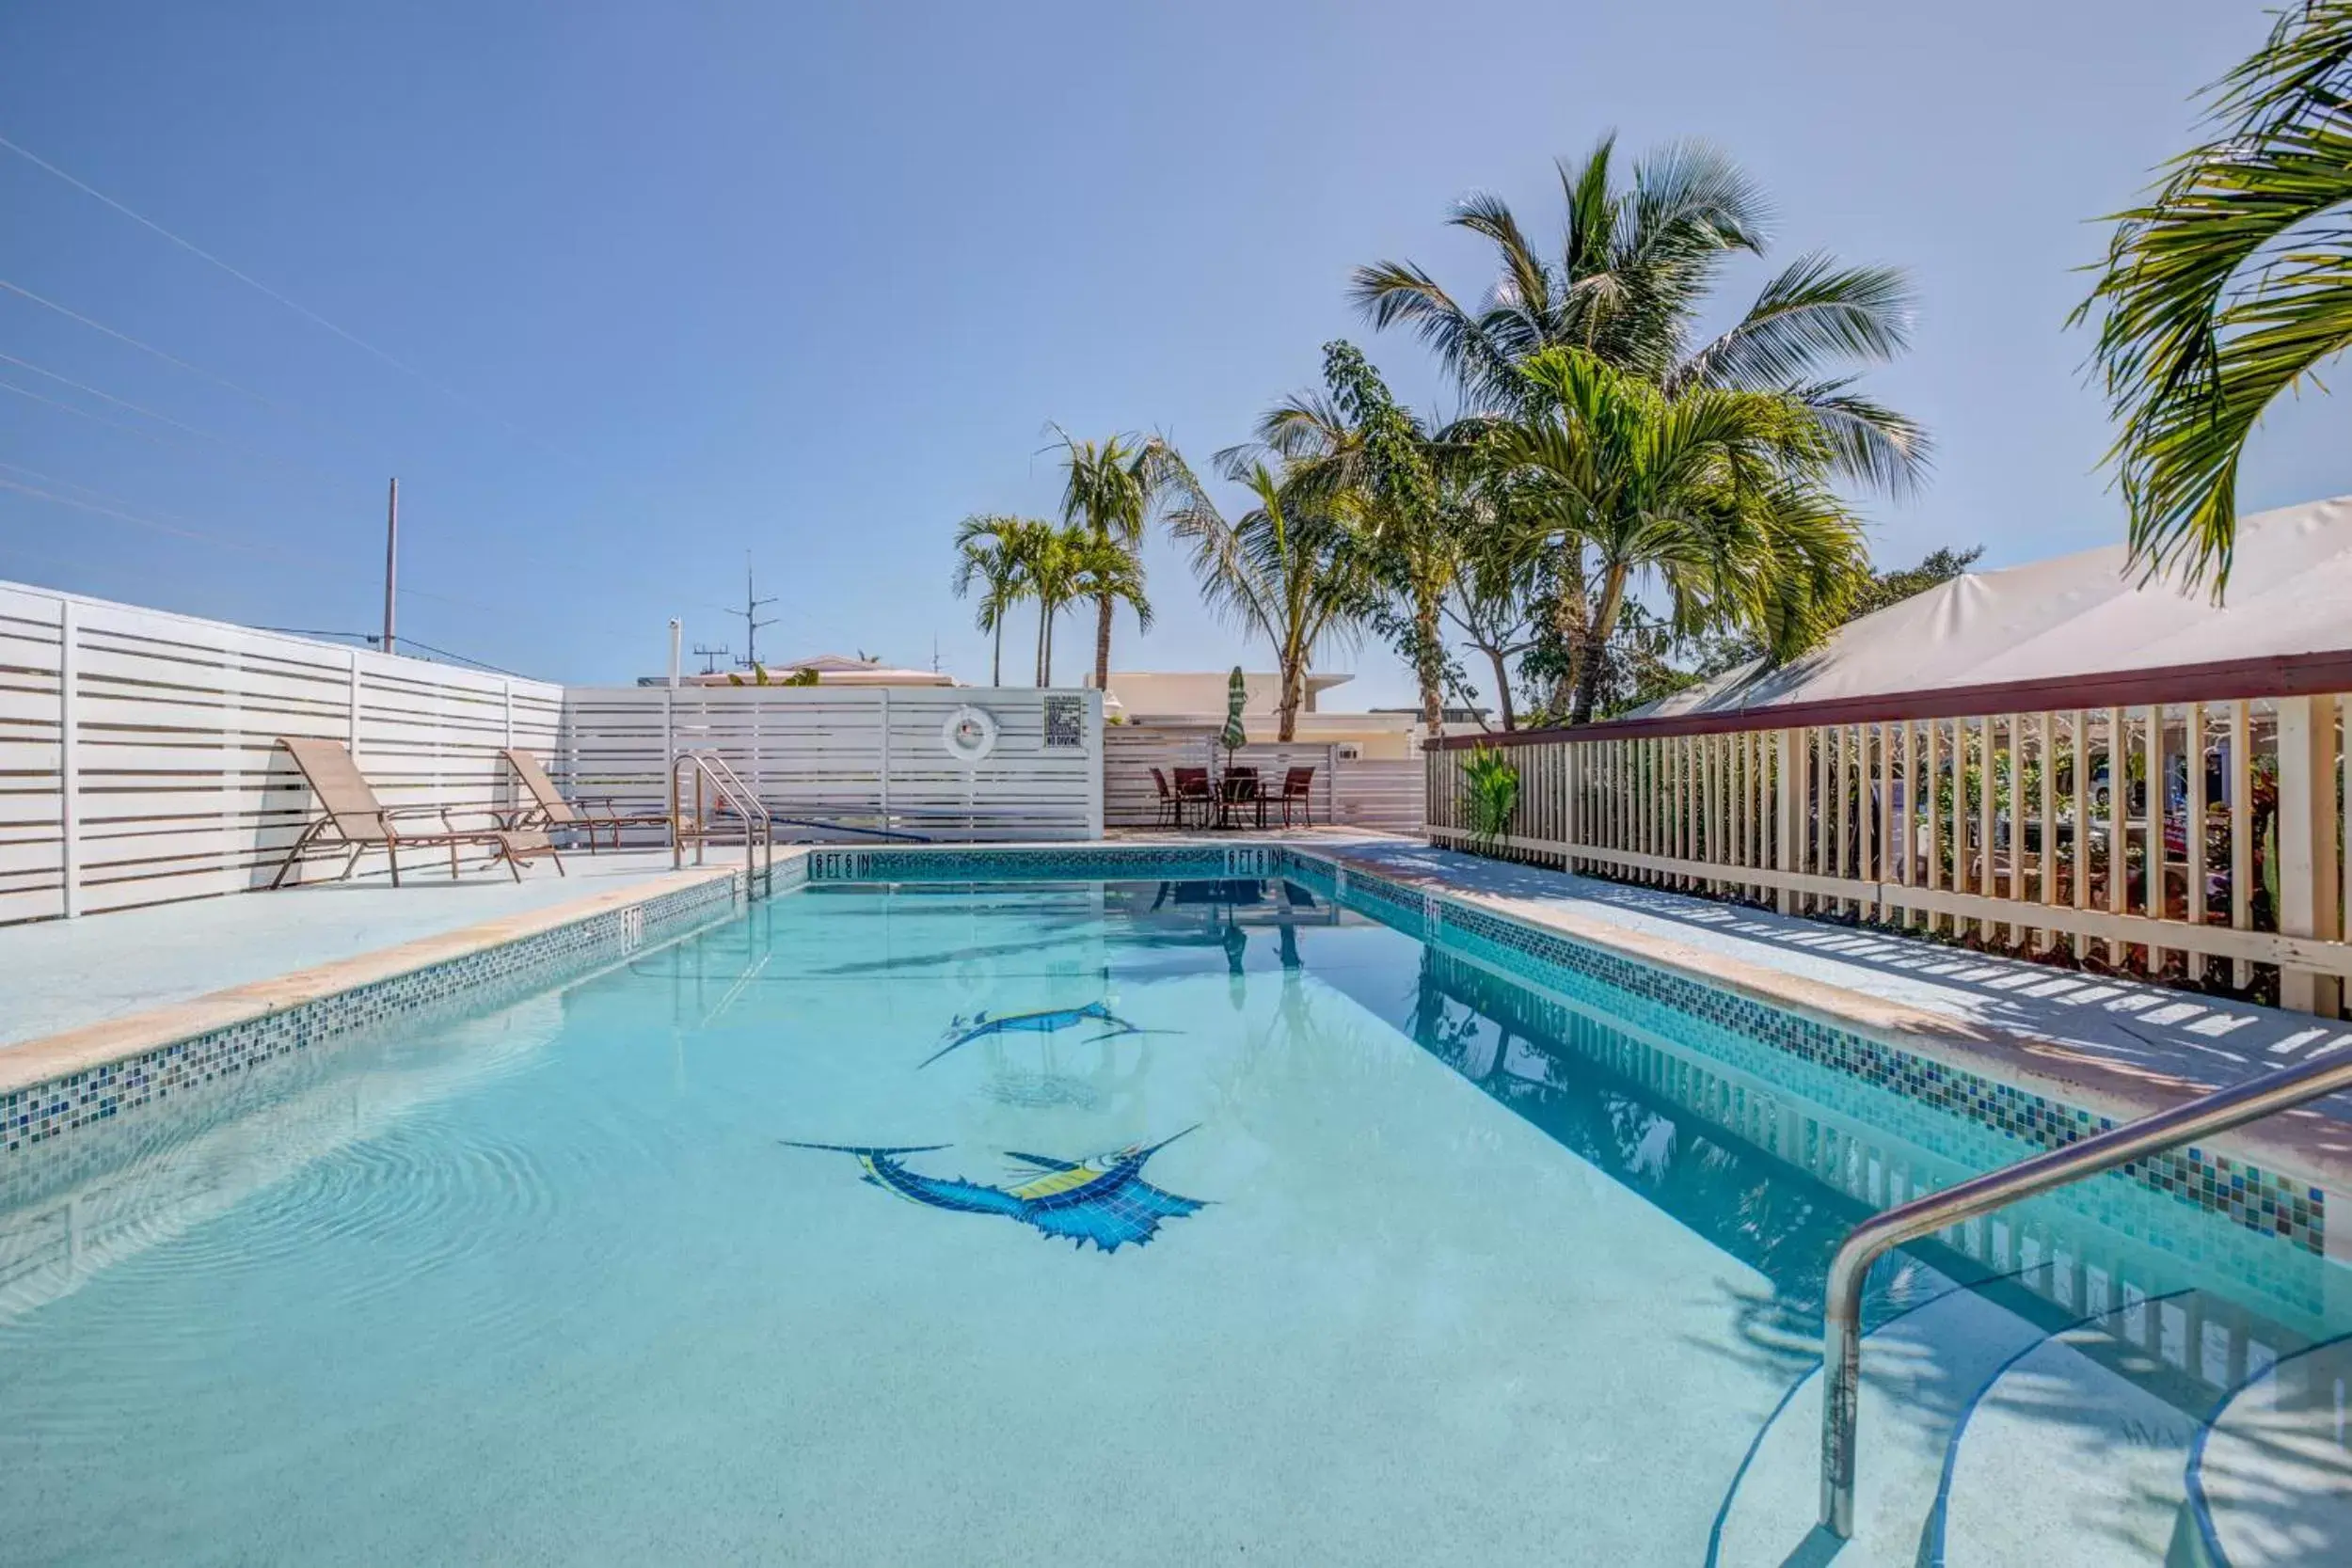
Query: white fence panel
x,y
1385,793
138,759
842,758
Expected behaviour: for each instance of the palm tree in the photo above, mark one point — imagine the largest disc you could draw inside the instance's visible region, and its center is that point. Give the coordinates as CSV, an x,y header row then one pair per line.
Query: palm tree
x,y
1288,571
1065,564
1718,496
1109,573
989,552
1114,488
1634,271
2230,285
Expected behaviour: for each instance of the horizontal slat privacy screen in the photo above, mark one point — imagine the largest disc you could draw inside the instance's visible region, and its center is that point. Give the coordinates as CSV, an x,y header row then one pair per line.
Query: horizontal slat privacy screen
x,y
137,749
848,756
1354,792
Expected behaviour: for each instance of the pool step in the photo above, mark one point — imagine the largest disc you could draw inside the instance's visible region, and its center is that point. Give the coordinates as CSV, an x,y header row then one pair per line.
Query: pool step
x,y
1919,1371
2274,1472
2058,1447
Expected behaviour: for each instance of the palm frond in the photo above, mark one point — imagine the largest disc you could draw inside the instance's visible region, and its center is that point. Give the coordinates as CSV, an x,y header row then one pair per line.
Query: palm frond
x,y
2230,285
1815,315
1869,443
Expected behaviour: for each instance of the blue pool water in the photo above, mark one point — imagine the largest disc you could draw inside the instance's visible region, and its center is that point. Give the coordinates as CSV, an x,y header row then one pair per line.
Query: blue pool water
x,y
1282,1237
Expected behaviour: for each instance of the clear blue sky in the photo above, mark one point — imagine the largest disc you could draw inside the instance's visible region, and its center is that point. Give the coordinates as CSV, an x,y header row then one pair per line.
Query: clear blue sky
x,y
811,282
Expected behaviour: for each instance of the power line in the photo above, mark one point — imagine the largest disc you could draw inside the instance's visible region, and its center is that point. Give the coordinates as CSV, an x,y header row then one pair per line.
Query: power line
x,y
134,518
101,498
239,449
295,306
168,358
370,640
109,397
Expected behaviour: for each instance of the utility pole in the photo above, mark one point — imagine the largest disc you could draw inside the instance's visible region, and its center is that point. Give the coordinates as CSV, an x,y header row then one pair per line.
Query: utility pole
x,y
751,623
676,632
391,562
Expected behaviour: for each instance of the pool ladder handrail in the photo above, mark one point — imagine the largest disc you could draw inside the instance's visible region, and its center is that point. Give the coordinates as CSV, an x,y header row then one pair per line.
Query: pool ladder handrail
x,y
711,770
1841,1329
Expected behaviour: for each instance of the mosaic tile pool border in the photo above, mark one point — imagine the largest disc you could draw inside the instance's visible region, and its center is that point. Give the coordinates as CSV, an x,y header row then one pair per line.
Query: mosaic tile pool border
x,y
2265,1202
36,1114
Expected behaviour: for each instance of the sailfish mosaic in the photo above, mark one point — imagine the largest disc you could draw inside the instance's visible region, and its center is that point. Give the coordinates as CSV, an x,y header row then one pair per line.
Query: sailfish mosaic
x,y
1101,1199
1051,1021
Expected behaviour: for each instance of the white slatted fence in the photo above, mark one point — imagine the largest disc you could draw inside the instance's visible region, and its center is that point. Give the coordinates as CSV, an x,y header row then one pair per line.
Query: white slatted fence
x,y
139,762
849,757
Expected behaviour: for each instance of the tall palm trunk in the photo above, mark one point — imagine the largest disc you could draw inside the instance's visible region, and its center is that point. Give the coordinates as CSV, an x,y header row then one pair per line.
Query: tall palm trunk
x,y
1045,621
1569,617
1428,659
996,658
1293,697
1596,641
1103,643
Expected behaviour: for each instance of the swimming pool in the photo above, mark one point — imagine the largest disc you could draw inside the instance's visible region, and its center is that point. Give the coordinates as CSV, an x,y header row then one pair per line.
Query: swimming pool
x,y
1187,1217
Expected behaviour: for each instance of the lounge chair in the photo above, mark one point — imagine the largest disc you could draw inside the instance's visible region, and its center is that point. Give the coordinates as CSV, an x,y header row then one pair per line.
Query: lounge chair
x,y
351,817
587,814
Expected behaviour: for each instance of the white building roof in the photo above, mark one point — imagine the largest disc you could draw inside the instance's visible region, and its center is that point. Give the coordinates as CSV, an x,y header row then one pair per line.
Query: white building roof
x,y
2081,627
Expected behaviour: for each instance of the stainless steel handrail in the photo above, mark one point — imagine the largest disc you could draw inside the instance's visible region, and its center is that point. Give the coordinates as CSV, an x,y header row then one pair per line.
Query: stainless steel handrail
x,y
1842,1331
759,831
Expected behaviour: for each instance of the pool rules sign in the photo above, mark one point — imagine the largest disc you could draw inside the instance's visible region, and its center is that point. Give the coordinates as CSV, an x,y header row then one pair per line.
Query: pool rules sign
x,y
1065,723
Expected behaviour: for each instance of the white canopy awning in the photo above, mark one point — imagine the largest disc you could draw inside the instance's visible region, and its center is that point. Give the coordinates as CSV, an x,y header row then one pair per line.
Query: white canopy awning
x,y
2061,623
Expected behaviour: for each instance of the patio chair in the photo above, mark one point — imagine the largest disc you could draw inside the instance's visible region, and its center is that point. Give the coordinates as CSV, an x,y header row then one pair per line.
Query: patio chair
x,y
1165,815
586,814
1192,788
351,817
1298,790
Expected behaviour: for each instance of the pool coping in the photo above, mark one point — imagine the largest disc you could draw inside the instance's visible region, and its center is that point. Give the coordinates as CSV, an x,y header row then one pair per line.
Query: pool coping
x,y
49,1059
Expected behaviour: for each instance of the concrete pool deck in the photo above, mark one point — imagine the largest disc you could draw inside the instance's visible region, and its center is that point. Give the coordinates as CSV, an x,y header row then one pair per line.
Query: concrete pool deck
x,y
66,977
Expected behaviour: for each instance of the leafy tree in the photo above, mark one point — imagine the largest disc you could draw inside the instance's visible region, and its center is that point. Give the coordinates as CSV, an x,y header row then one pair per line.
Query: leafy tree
x,y
2230,284
990,555
1647,662
1356,452
1287,570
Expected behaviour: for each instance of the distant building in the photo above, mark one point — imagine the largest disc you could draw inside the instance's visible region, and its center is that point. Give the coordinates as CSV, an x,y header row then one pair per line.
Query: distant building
x,y
832,670
1167,699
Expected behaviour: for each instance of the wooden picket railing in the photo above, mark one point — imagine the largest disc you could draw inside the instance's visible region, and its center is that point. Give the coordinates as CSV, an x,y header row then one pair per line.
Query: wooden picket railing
x,y
2199,840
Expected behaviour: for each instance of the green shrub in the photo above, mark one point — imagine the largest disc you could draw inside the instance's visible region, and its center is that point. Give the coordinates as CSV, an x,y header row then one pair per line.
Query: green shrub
x,y
1493,783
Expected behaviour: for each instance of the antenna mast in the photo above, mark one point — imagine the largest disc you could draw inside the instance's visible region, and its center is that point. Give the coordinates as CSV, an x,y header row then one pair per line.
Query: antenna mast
x,y
753,604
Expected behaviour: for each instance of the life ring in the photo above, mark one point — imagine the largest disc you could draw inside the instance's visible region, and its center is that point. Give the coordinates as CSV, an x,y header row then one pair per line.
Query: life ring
x,y
969,736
